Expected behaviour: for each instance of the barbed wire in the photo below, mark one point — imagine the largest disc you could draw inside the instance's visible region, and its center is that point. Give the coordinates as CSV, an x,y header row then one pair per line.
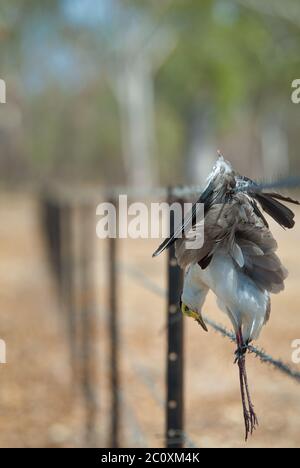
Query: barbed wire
x,y
140,277
158,192
66,195
264,357
259,353
149,284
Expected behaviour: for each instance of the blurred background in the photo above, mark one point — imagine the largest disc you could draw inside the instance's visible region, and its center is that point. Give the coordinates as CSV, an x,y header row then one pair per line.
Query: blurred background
x,y
103,93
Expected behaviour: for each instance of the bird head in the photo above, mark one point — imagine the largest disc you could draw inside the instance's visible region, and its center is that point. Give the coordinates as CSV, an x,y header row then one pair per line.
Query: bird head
x,y
193,295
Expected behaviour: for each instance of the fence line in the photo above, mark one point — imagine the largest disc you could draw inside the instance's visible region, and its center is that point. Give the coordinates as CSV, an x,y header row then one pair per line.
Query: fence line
x,y
56,215
60,194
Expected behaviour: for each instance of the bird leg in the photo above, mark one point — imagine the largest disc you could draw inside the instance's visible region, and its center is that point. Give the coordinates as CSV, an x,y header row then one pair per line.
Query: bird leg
x,y
253,417
248,409
245,409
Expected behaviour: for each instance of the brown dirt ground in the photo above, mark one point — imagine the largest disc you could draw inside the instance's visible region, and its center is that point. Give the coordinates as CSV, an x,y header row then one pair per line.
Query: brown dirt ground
x,y
39,406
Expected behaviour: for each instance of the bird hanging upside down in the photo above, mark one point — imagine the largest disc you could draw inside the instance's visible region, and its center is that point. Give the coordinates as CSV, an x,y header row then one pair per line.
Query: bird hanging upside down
x,y
236,259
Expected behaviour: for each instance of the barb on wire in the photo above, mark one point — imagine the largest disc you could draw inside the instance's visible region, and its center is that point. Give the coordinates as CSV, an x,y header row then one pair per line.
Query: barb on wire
x,y
291,182
277,363
259,353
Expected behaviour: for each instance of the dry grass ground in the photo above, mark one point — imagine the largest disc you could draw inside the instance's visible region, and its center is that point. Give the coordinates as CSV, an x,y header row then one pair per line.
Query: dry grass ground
x,y
38,404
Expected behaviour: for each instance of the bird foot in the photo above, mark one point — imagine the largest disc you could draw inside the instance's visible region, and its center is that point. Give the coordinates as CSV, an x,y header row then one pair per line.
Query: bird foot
x,y
253,418
240,352
251,421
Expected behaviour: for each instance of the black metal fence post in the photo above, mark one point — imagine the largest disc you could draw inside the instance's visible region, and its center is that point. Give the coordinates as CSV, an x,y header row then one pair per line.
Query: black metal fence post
x,y
175,361
114,338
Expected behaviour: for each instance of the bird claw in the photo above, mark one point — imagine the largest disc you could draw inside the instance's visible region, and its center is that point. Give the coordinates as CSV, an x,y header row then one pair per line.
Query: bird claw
x,y
251,421
240,352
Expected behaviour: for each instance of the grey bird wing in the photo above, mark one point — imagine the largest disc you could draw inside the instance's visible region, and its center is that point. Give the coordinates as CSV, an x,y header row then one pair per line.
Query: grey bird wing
x,y
255,239
270,202
258,248
229,217
265,268
207,199
209,234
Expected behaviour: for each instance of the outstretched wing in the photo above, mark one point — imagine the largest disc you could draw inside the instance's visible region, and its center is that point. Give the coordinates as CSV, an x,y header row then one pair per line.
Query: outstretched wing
x,y
269,202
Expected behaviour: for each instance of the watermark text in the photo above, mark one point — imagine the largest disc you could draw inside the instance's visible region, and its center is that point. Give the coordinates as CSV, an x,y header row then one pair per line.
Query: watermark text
x,y
295,96
151,221
2,92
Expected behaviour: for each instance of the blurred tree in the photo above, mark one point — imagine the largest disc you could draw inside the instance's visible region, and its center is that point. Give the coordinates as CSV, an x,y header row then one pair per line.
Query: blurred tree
x,y
229,59
227,79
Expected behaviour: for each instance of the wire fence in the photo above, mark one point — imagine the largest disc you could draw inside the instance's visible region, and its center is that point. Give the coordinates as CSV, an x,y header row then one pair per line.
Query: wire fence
x,y
151,286
69,225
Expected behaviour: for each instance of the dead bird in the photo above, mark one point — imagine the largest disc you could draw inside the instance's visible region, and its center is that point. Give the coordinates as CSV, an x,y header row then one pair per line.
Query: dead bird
x,y
235,258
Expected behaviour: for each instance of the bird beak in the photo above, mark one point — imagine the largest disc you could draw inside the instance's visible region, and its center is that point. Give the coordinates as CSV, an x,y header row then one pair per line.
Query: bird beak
x,y
195,315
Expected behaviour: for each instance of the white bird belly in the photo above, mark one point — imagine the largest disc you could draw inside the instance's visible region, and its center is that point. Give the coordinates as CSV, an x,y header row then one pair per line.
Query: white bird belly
x,y
238,296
